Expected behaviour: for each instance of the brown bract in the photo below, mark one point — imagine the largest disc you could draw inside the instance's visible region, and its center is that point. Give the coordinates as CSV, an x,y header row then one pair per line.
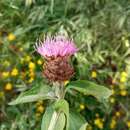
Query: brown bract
x,y
58,69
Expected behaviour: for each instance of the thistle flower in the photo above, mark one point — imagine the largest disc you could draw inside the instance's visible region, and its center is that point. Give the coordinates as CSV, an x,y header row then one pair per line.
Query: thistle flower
x,y
56,46
57,50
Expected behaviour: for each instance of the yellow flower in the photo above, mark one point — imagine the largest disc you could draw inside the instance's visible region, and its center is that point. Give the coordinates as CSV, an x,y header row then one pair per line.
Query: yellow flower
x,y
14,72
11,37
123,79
66,82
39,62
30,80
40,109
112,100
8,87
82,106
27,58
113,91
21,49
31,73
1,94
117,114
40,102
122,86
5,74
128,124
99,123
94,74
113,123
123,92
124,74
32,65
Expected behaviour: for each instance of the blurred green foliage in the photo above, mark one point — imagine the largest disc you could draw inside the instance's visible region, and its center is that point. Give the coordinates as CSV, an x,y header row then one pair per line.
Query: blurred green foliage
x,y
101,30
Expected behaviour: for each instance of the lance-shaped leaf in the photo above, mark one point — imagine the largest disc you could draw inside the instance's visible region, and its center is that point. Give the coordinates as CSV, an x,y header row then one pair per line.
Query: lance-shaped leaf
x,y
36,93
89,88
53,120
56,117
77,121
63,106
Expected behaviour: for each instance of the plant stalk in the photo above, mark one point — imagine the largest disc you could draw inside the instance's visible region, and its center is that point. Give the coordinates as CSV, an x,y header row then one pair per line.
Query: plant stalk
x,y
60,93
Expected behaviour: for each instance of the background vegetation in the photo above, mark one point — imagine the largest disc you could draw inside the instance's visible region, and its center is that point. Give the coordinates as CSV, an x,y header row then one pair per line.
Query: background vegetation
x,y
101,30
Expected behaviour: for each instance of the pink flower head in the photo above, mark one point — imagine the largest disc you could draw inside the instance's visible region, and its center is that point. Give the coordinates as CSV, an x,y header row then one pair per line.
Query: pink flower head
x,y
56,46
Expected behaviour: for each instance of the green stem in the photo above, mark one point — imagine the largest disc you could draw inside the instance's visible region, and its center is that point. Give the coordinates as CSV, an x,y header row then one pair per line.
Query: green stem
x,y
59,90
60,93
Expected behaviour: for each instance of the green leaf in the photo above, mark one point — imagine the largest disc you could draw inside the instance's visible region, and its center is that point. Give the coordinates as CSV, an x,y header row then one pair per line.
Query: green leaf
x,y
52,117
61,122
56,117
47,118
90,88
63,106
40,92
77,121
